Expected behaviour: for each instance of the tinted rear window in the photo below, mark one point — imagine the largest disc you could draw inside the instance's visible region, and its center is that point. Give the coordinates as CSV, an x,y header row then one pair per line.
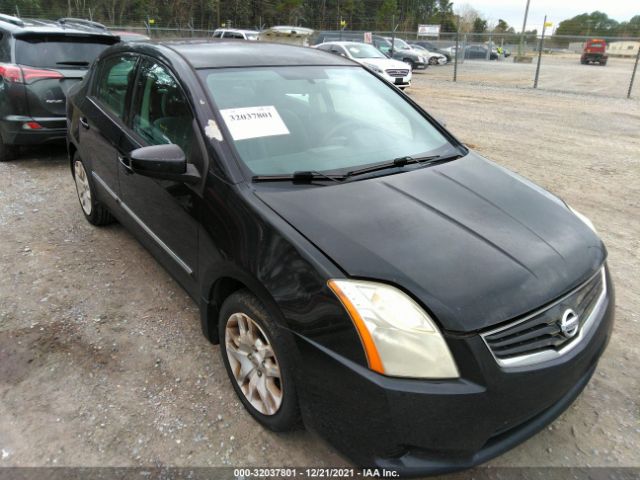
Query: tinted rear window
x,y
58,51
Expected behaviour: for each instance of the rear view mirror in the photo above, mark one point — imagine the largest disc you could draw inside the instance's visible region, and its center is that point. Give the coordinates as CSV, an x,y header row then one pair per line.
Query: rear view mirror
x,y
166,161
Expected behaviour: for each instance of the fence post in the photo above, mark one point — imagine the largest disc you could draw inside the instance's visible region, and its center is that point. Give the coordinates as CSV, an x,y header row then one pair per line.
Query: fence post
x,y
633,75
544,26
455,59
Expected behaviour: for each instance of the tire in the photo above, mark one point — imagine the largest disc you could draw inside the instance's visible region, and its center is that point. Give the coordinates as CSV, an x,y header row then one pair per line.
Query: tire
x,y
7,152
95,213
433,61
279,410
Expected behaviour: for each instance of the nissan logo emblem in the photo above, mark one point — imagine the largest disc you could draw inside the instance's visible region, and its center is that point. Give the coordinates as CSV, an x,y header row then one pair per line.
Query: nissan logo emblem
x,y
570,323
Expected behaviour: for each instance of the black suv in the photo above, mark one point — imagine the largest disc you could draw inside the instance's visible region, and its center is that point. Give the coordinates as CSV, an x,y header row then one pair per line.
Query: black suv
x,y
39,61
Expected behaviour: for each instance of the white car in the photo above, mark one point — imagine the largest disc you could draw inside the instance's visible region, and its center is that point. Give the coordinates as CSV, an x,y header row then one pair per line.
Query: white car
x,y
433,57
235,33
394,71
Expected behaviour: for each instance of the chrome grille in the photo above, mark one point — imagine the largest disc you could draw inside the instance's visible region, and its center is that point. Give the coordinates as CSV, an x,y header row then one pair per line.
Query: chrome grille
x,y
398,73
531,339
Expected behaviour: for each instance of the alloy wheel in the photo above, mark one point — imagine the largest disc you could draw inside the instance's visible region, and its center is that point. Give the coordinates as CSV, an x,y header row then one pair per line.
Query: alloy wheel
x,y
253,363
82,187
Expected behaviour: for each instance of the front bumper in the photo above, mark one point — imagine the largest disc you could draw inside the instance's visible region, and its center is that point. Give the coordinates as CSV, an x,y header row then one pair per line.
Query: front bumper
x,y
400,82
420,427
54,129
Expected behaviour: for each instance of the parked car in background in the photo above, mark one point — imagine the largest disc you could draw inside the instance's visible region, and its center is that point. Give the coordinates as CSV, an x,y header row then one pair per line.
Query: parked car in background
x,y
432,48
400,51
365,273
287,34
594,51
131,36
394,71
39,61
236,33
433,57
479,52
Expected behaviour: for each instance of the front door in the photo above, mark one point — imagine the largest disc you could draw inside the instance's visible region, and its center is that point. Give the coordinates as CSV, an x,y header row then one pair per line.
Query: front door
x,y
101,126
166,212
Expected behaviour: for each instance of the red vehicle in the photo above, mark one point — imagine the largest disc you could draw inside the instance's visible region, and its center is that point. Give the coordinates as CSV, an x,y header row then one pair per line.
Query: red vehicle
x,y
594,52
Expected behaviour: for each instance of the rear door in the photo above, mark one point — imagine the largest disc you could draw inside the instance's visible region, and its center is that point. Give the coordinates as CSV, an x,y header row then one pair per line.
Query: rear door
x,y
51,64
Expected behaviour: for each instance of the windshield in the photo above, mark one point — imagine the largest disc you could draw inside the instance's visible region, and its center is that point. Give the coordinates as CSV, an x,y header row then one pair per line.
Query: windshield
x,y
327,119
401,44
60,52
363,50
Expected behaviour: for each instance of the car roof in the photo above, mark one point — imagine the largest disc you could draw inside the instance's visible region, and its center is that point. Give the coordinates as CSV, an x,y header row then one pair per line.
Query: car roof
x,y
27,26
241,30
237,53
345,43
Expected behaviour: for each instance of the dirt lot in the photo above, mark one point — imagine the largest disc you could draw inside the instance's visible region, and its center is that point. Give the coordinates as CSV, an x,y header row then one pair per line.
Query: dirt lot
x,y
102,362
562,73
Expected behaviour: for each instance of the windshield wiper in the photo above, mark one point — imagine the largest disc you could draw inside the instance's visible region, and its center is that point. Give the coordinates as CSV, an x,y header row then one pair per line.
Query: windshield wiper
x,y
306,176
75,64
395,163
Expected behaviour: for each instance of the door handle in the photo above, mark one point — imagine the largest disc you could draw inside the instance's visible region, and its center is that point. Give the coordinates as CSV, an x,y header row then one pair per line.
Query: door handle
x,y
84,122
126,163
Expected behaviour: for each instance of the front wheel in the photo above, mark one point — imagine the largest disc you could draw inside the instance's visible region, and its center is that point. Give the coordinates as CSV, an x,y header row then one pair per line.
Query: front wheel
x,y
258,357
433,61
95,213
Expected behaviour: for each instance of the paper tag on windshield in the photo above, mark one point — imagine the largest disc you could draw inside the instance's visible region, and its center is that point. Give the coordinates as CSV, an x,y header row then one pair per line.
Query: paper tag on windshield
x,y
254,122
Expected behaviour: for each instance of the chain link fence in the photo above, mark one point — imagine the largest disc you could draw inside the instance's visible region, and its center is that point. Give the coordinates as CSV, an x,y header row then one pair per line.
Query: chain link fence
x,y
552,63
549,63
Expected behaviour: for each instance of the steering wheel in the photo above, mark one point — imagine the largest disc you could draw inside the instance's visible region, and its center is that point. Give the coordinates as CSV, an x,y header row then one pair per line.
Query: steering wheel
x,y
340,126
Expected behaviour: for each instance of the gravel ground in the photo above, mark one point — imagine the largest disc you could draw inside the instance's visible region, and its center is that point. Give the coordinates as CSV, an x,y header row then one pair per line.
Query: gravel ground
x,y
562,73
102,362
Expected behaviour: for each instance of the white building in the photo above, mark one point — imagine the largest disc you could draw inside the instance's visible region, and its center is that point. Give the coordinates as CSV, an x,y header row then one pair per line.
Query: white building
x,y
623,49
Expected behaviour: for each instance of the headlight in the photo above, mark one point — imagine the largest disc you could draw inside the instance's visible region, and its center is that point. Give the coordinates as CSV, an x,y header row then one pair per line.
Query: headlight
x,y
585,219
399,337
421,60
374,68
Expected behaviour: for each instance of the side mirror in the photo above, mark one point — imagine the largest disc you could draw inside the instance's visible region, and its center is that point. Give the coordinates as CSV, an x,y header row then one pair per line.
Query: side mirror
x,y
165,161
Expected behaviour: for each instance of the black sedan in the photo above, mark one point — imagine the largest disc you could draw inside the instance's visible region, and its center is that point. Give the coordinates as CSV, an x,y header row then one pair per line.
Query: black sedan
x,y
479,52
364,273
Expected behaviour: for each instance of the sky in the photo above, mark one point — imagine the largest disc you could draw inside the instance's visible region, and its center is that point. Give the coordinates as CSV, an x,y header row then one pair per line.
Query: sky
x,y
513,10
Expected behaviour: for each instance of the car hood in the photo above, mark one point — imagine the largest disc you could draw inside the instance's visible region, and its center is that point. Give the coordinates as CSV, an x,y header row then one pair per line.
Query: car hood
x,y
385,63
474,243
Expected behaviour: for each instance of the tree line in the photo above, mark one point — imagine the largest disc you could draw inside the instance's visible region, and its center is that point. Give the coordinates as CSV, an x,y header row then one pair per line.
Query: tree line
x,y
207,14
375,15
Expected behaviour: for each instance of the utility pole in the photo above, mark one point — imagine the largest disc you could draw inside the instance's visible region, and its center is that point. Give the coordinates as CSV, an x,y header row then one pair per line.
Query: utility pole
x,y
524,26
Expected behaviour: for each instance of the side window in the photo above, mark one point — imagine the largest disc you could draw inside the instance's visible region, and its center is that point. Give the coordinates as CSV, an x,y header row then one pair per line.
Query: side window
x,y
114,77
217,34
5,49
161,112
